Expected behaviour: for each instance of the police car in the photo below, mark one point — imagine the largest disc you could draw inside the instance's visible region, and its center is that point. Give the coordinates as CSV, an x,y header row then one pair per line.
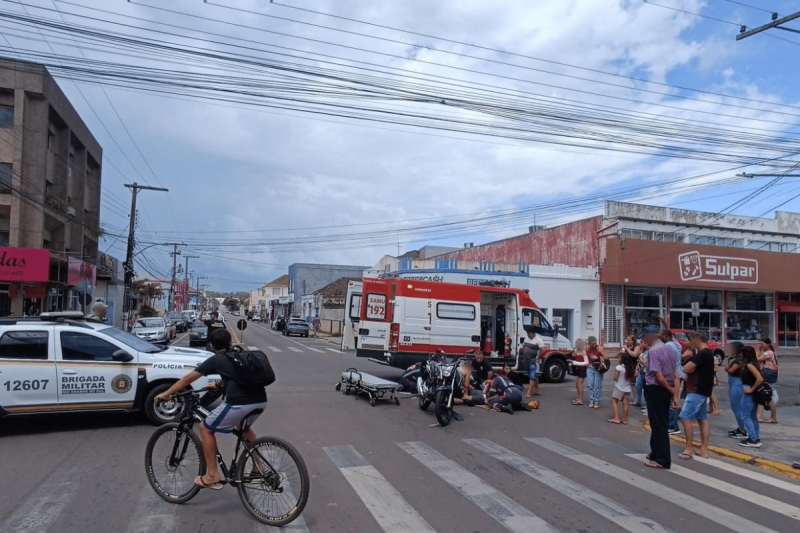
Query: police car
x,y
61,362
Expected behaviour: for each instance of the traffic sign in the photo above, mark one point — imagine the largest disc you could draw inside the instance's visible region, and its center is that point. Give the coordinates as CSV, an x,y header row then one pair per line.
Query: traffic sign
x,y
241,325
695,309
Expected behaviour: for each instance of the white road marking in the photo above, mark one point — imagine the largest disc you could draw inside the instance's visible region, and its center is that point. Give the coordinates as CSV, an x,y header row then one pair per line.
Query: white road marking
x,y
152,514
312,349
275,349
334,350
612,511
392,512
506,511
43,507
753,476
747,494
688,503
292,348
253,348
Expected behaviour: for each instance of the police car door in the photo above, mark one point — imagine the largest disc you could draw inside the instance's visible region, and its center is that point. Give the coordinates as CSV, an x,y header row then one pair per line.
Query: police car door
x,y
89,374
27,369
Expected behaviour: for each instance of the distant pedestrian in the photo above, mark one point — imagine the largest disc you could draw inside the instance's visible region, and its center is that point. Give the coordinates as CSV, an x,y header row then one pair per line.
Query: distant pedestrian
x,y
733,367
579,363
662,391
623,376
633,347
768,362
699,386
598,365
668,338
532,351
751,381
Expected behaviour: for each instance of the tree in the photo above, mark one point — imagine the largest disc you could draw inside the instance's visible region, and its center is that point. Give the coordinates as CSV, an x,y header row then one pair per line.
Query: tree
x,y
147,292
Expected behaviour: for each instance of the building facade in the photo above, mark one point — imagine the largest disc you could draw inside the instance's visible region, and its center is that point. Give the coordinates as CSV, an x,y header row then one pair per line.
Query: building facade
x,y
271,299
733,277
307,278
50,178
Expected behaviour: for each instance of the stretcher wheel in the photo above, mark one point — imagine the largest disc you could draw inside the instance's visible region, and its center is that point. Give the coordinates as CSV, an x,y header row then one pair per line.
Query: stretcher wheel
x,y
397,401
347,392
338,386
372,402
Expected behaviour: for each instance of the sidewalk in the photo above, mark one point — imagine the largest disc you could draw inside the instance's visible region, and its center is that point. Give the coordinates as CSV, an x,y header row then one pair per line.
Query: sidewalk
x,y
335,340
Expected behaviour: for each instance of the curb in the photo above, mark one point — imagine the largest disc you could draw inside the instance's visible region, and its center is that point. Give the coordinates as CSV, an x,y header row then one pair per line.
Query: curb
x,y
766,464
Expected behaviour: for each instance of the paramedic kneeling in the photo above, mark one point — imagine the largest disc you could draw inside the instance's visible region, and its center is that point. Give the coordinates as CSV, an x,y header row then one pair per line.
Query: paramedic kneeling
x,y
241,399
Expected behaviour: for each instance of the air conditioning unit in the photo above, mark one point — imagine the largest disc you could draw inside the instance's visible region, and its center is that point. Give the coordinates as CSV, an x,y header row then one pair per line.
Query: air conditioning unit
x,y
71,211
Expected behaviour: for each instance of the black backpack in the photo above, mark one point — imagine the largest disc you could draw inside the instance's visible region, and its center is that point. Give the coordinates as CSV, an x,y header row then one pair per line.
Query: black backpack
x,y
252,367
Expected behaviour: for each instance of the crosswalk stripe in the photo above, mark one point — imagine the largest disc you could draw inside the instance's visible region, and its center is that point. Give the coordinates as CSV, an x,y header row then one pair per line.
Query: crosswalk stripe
x,y
506,511
275,349
152,514
624,517
715,514
43,507
734,490
314,349
334,350
252,348
752,475
292,348
392,512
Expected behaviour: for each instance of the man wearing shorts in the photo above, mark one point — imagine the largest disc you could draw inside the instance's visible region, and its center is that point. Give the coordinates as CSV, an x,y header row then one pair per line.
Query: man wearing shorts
x,y
532,351
235,412
699,386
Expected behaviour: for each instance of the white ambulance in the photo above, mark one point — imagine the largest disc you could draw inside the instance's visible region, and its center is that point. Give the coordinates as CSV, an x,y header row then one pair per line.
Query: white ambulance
x,y
401,321
61,362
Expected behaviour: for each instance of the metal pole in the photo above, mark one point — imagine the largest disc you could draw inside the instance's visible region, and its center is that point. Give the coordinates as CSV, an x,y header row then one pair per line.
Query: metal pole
x,y
776,22
175,253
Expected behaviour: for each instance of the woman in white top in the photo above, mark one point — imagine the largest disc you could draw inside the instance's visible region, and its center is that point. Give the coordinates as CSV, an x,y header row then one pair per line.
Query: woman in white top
x,y
623,375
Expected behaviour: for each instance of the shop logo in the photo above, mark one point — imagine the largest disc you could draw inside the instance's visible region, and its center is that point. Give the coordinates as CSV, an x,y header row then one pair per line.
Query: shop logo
x,y
121,384
715,269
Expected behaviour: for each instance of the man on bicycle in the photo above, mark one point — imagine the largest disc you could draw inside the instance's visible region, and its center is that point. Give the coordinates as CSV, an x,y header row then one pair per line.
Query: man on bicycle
x,y
235,412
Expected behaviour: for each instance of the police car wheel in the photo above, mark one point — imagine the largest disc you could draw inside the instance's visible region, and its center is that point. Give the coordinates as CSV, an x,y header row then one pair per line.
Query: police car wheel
x,y
164,412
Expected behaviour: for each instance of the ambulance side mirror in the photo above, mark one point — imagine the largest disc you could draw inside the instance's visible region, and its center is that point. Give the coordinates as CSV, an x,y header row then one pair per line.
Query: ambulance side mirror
x,y
122,356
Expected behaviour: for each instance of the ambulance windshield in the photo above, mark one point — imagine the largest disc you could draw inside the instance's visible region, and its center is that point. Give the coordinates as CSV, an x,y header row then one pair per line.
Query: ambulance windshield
x,y
533,318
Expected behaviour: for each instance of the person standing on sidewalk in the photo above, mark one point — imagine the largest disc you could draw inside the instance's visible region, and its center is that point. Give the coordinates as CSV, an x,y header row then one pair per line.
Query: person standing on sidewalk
x,y
751,380
668,338
699,386
532,351
733,367
768,362
662,391
598,366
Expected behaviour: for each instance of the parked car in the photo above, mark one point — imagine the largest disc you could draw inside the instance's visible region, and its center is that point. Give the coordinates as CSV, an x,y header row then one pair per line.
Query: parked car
x,y
172,328
296,326
682,336
190,315
180,320
152,329
198,335
256,318
98,368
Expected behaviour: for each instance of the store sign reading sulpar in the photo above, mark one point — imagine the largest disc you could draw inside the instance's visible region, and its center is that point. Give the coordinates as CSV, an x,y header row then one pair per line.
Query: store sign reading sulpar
x,y
715,269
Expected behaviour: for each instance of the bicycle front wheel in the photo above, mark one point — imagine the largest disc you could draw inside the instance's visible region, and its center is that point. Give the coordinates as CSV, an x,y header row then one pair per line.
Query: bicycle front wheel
x,y
173,459
273,481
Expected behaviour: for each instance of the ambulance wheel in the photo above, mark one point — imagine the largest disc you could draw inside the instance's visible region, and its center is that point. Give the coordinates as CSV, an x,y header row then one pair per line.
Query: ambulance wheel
x,y
338,386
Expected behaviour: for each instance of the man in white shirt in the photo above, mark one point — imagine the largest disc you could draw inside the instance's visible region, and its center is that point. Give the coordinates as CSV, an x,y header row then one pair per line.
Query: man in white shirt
x,y
532,353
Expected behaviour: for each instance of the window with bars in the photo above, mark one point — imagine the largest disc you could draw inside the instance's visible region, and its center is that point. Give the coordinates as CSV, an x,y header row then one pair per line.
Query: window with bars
x,y
612,314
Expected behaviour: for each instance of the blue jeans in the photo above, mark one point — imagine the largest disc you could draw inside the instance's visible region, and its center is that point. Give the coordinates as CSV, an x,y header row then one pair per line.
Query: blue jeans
x,y
749,412
594,380
639,387
735,389
673,419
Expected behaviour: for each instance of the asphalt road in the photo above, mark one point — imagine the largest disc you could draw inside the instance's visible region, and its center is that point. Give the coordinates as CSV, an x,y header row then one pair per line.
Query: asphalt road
x,y
389,468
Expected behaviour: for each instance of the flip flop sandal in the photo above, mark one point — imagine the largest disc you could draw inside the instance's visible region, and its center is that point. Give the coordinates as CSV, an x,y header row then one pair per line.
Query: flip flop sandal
x,y
652,464
614,422
576,402
204,485
686,457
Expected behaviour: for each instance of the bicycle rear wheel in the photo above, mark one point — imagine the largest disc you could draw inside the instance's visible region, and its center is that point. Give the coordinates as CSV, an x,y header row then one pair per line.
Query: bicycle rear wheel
x,y
273,481
172,460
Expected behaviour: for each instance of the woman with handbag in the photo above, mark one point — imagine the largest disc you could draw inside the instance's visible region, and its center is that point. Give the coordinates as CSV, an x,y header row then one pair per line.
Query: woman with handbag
x,y
598,365
768,362
751,381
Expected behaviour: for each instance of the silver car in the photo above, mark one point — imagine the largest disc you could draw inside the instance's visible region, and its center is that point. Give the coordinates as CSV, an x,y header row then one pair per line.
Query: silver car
x,y
152,329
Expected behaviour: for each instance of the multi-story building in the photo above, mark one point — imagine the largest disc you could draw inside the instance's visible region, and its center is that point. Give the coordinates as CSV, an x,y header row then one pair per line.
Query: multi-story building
x,y
306,278
50,175
269,299
734,277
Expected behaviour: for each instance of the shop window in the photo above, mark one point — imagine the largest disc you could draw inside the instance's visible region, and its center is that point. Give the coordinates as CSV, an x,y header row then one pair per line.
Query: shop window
x,y
643,308
750,315
645,297
710,306
683,298
6,116
5,238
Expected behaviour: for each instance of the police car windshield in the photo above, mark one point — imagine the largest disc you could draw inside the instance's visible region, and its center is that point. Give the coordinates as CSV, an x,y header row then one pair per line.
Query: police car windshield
x,y
132,340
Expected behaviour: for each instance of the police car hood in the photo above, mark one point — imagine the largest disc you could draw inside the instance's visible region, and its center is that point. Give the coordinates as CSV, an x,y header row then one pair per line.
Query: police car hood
x,y
189,356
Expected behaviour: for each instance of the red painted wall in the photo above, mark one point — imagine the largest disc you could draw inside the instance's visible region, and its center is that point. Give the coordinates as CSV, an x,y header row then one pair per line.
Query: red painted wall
x,y
574,244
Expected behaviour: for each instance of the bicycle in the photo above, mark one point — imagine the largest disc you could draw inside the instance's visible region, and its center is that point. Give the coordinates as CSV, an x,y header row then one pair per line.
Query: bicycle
x,y
269,473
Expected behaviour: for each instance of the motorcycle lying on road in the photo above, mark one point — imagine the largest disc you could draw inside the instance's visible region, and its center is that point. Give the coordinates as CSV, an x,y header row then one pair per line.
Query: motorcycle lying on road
x,y
437,383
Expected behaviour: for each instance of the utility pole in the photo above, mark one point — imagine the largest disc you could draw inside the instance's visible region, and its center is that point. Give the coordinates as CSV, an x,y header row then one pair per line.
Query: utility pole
x,y
174,253
776,23
128,267
186,276
198,285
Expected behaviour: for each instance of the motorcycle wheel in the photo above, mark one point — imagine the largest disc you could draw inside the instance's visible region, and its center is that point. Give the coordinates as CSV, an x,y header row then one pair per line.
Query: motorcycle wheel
x,y
444,414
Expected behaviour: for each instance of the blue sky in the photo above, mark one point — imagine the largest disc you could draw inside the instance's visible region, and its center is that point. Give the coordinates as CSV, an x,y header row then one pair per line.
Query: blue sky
x,y
254,189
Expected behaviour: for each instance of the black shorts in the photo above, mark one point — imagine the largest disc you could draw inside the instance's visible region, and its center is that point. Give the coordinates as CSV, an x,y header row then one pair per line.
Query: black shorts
x,y
580,372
